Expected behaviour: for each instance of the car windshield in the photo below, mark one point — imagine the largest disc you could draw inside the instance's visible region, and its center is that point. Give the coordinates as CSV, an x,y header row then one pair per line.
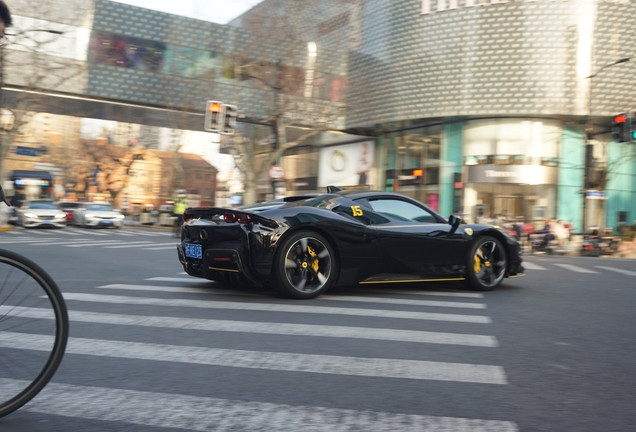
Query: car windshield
x,y
71,205
42,205
99,207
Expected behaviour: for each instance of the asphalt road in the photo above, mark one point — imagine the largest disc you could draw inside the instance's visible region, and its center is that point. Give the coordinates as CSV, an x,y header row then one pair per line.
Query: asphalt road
x,y
152,349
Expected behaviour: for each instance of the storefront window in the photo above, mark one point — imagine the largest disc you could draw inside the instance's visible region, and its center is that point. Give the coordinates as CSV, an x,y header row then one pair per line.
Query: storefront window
x,y
511,168
413,161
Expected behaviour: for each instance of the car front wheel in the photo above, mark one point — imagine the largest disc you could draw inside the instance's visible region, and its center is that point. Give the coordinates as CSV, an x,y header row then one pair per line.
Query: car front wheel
x,y
304,266
486,265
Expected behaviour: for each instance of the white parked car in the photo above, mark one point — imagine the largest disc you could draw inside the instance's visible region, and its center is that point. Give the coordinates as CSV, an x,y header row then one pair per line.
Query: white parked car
x,y
41,213
96,214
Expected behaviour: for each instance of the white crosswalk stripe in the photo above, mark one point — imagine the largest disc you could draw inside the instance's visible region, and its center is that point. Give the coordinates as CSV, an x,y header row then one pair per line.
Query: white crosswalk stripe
x,y
273,307
532,266
617,270
169,409
205,414
290,362
574,268
265,327
85,238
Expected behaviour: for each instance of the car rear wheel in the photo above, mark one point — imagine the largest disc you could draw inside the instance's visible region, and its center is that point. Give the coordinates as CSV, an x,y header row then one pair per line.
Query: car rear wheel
x,y
487,263
304,266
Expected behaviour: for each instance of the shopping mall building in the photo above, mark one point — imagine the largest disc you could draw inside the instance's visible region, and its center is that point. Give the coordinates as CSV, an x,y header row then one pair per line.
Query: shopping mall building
x,y
488,108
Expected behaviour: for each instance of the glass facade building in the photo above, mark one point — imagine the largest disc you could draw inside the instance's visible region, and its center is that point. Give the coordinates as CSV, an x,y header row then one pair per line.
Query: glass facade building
x,y
483,107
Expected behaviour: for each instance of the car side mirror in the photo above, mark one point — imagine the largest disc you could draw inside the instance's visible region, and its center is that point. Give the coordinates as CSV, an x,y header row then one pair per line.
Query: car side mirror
x,y
454,222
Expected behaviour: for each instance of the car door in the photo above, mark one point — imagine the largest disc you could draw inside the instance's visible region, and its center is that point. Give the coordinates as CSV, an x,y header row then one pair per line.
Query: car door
x,y
414,240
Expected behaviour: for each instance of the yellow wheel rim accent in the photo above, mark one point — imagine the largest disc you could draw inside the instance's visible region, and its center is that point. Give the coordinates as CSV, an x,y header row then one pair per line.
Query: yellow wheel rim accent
x,y
477,266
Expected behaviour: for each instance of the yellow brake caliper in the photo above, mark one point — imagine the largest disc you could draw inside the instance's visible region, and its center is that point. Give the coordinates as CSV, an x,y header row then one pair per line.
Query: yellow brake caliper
x,y
314,256
478,261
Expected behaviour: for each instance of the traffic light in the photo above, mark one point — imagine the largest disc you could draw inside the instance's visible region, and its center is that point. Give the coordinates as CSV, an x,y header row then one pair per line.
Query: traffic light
x,y
214,114
229,120
621,130
632,128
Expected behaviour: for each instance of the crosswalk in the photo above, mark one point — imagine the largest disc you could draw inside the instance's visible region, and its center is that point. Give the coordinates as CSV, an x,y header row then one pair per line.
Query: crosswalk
x,y
77,238
591,269
180,303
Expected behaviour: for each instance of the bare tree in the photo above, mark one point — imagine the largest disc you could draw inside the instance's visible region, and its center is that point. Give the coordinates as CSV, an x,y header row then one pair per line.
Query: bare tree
x,y
275,58
35,60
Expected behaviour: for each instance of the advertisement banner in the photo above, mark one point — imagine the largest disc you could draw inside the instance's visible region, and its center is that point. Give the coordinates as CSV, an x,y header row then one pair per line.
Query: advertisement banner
x,y
347,165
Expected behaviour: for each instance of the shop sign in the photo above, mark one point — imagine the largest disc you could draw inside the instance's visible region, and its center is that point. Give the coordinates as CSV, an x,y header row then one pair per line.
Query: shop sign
x,y
30,151
595,194
517,174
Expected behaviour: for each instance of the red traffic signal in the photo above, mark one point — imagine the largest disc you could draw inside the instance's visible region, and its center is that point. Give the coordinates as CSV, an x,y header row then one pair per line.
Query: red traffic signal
x,y
620,118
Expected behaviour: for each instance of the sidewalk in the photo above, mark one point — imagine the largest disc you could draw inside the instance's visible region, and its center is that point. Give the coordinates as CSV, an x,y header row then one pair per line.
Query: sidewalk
x,y
625,249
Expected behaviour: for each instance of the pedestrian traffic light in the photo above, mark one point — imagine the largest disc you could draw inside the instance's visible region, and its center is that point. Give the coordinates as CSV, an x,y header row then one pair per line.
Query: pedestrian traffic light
x,y
632,128
214,113
621,131
229,120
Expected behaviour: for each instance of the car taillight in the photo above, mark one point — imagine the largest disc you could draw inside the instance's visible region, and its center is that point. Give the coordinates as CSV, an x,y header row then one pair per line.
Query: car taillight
x,y
244,219
186,217
240,218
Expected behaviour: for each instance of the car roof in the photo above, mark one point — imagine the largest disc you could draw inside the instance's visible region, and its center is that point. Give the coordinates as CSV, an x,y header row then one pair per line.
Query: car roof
x,y
316,199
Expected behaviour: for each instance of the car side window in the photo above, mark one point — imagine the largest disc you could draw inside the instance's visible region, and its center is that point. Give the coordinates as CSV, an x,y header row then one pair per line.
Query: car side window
x,y
361,214
401,210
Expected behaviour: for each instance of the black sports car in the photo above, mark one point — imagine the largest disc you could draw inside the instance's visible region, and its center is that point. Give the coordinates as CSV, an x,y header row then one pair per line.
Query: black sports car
x,y
302,245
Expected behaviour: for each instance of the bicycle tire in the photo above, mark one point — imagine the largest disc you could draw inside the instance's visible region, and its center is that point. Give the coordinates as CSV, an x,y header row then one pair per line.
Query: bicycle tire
x,y
31,348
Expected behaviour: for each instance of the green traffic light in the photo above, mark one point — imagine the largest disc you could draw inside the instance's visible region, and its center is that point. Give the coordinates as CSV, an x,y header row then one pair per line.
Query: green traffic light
x,y
633,135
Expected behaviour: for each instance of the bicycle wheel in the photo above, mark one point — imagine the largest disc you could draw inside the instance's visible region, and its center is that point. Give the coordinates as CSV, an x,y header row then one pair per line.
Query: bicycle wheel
x,y
33,330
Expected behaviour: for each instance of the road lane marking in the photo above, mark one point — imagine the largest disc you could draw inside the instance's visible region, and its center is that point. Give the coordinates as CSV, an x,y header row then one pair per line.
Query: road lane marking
x,y
279,361
107,243
172,246
67,231
272,307
532,266
203,414
363,290
27,241
387,300
272,328
617,270
185,279
130,245
576,269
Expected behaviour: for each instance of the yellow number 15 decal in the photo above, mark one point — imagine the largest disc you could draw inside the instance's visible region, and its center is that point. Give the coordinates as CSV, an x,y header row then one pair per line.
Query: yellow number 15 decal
x,y
356,210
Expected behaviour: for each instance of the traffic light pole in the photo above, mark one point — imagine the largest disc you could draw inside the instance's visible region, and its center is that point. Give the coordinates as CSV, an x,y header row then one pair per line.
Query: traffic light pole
x,y
589,135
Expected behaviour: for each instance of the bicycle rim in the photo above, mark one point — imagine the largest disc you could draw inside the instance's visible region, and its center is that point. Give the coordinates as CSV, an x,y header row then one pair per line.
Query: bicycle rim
x,y
33,330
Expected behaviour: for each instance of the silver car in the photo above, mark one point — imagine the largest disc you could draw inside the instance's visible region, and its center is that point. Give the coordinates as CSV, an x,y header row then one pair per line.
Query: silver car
x,y
98,214
41,213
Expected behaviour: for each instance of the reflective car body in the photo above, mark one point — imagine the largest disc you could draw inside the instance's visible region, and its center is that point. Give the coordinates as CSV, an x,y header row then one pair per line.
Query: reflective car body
x,y
41,213
302,245
69,208
98,214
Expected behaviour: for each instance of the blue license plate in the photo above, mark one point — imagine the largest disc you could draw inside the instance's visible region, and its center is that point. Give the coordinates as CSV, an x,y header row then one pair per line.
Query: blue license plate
x,y
106,222
193,250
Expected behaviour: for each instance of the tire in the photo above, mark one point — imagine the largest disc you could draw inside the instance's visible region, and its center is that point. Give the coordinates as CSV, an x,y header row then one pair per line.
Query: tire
x,y
32,348
486,264
304,266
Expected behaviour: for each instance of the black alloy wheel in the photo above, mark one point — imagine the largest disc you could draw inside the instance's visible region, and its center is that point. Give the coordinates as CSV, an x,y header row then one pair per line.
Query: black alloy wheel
x,y
304,266
487,262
